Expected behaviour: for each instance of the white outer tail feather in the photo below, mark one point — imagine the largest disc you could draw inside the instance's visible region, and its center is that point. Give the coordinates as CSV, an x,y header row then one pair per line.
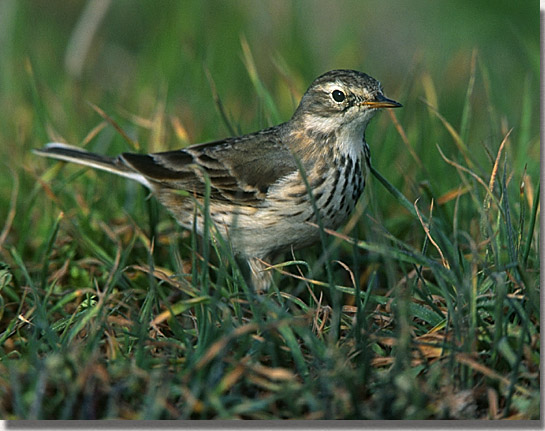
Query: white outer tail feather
x,y
70,153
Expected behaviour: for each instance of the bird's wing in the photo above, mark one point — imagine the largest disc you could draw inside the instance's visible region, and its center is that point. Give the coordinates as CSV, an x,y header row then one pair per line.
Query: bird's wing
x,y
240,170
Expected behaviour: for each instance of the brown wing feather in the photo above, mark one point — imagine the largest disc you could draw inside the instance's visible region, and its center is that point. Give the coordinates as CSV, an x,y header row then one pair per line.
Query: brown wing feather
x,y
240,170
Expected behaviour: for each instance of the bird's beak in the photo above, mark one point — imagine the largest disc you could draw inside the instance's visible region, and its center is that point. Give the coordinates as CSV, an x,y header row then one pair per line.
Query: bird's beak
x,y
382,102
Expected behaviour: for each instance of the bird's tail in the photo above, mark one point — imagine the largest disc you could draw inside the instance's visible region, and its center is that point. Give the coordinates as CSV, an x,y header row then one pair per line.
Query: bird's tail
x,y
69,153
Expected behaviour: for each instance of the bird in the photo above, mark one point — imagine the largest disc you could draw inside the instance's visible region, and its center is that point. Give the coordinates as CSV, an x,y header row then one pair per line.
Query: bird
x,y
267,190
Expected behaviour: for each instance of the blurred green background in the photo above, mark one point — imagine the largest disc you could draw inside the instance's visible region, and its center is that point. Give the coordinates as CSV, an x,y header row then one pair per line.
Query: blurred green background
x,y
142,53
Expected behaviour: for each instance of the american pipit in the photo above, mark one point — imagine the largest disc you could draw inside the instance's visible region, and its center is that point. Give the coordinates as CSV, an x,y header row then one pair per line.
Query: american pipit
x,y
259,199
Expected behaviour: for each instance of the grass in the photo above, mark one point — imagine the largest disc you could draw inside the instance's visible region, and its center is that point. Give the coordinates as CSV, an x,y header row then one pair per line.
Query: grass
x,y
424,306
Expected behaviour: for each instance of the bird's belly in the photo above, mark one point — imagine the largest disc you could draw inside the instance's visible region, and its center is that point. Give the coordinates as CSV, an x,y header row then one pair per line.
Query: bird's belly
x,y
287,218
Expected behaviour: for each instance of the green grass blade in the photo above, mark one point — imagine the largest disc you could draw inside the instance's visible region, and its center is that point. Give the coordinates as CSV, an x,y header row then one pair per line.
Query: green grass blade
x,y
531,228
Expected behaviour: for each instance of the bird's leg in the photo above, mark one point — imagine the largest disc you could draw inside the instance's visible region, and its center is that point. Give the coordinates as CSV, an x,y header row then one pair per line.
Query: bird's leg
x,y
260,278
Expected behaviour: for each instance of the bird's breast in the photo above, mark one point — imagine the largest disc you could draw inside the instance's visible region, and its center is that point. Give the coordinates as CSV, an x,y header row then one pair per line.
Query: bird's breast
x,y
341,190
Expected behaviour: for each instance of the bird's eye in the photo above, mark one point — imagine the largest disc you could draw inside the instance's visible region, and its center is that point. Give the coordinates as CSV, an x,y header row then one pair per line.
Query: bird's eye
x,y
338,96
